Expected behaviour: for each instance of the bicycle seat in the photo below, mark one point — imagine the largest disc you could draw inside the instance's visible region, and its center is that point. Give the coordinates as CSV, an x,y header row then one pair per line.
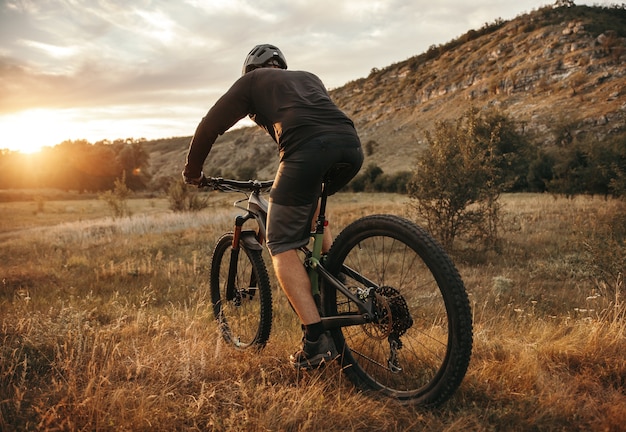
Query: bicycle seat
x,y
335,170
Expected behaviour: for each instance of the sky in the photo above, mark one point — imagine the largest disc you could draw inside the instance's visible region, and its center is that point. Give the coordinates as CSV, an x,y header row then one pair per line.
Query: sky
x,y
107,69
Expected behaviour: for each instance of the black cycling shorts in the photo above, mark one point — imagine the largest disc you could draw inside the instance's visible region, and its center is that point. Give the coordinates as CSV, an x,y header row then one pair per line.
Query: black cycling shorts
x,y
298,185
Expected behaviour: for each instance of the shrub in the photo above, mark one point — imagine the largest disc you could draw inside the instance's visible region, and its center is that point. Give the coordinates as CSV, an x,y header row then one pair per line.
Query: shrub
x,y
183,198
373,179
460,175
365,181
393,183
589,165
246,172
370,147
117,199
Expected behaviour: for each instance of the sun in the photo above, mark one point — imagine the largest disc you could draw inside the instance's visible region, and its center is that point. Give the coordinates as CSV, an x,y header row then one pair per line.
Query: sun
x,y
30,131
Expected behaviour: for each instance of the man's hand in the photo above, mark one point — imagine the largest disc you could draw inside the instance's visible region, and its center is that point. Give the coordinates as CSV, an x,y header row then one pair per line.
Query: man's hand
x,y
193,180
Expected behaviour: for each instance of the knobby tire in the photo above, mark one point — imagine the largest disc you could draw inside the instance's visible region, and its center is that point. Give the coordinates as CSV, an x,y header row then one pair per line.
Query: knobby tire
x,y
421,301
245,320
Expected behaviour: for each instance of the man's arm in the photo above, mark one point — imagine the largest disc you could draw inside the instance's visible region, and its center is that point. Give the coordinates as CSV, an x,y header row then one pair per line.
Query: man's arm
x,y
228,110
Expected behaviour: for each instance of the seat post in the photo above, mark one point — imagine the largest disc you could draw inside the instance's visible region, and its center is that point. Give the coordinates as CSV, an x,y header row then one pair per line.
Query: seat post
x,y
318,240
321,218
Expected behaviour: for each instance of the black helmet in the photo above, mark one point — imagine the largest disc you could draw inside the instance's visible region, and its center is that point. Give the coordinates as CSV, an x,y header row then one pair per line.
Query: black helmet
x,y
260,55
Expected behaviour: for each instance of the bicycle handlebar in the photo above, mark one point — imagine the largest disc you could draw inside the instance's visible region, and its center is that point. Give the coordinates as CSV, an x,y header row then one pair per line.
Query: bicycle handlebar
x,y
219,183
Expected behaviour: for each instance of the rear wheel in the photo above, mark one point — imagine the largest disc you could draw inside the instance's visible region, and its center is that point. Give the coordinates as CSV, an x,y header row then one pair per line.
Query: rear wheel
x,y
419,344
243,312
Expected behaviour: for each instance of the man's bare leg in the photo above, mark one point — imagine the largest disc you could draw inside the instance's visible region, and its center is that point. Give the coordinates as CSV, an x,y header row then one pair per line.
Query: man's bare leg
x,y
317,347
295,282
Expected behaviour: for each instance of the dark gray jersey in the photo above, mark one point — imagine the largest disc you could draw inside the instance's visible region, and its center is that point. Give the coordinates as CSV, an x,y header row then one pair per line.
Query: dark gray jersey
x,y
292,106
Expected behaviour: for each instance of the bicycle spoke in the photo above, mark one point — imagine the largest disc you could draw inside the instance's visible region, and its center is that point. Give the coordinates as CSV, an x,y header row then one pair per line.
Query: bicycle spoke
x,y
406,348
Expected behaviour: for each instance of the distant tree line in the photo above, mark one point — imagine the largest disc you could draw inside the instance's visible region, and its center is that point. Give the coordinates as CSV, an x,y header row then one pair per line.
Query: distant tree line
x,y
561,162
78,166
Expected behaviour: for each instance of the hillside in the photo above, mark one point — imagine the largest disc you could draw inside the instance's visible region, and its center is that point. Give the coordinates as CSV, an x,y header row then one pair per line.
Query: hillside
x,y
554,67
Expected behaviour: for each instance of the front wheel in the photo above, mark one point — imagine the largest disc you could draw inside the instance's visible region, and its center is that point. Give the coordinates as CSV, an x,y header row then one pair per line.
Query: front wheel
x,y
243,310
417,347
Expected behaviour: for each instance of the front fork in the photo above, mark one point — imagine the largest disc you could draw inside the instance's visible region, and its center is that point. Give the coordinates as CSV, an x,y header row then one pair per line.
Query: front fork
x,y
231,290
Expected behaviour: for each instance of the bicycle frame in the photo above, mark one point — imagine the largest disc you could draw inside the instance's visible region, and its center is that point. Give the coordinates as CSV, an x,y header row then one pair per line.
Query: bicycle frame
x,y
315,267
257,208
369,322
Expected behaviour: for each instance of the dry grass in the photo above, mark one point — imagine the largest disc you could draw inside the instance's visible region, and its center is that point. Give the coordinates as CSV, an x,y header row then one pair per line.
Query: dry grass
x,y
106,325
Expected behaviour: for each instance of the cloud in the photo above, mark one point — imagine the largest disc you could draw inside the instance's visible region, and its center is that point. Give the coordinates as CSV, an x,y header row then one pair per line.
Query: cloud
x,y
84,53
152,56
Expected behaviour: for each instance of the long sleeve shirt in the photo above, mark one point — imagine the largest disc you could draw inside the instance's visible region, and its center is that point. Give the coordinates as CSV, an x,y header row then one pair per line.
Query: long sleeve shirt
x,y
292,106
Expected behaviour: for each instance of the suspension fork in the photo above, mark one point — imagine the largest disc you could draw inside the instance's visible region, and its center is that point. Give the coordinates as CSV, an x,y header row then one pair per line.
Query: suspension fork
x,y
231,291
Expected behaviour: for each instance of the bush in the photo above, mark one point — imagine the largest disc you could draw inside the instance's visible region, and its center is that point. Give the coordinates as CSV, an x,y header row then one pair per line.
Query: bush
x,y
460,175
370,147
117,199
589,165
540,172
364,182
393,183
183,197
373,179
246,172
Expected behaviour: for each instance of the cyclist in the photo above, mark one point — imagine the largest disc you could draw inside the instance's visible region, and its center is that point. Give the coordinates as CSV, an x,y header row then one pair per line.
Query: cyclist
x,y
313,135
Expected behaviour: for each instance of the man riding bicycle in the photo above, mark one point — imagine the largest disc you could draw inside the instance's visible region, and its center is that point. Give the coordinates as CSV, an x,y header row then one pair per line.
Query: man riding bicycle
x,y
313,136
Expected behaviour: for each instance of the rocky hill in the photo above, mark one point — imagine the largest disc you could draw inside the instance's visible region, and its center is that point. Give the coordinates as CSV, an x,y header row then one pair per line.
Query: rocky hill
x,y
557,66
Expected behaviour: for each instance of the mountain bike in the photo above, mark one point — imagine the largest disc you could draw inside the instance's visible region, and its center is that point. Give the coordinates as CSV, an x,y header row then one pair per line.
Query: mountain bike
x,y
389,296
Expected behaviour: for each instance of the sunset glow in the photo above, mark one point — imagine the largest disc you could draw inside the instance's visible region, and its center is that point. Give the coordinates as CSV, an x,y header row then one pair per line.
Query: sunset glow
x,y
29,131
110,70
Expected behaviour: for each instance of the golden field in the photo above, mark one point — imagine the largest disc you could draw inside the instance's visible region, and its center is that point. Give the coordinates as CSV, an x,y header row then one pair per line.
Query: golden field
x,y
105,324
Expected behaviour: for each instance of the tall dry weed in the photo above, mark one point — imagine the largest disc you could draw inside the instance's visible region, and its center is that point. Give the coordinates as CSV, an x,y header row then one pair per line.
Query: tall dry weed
x,y
107,325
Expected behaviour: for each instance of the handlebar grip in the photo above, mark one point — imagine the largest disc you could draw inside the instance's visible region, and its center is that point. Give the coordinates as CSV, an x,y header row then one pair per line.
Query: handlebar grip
x,y
205,182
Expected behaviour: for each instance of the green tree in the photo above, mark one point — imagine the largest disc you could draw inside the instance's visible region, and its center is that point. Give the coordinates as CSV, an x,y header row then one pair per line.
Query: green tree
x,y
367,179
610,159
540,172
370,147
590,165
394,183
459,177
246,172
134,160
